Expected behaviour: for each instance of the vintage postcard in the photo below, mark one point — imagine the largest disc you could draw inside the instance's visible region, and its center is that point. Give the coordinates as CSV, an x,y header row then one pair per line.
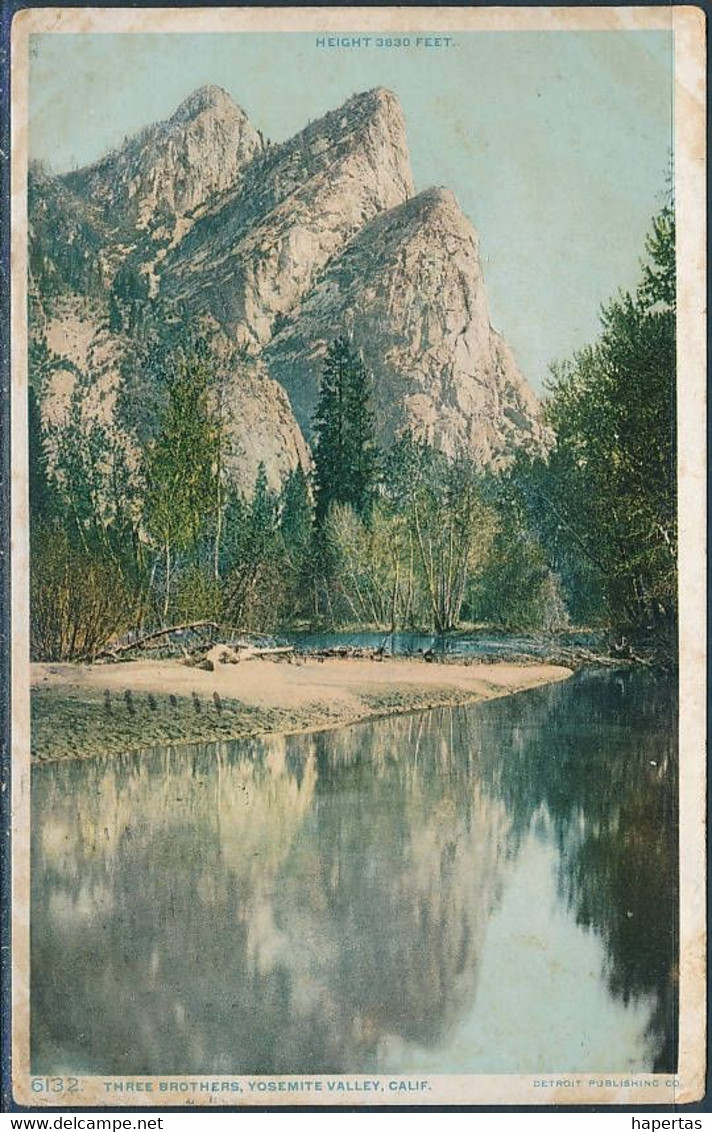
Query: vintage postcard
x,y
358,563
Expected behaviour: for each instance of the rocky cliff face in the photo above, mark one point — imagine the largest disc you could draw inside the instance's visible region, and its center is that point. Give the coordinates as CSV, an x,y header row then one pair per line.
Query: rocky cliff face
x,y
262,429
409,290
166,172
88,360
66,241
126,210
251,257
284,247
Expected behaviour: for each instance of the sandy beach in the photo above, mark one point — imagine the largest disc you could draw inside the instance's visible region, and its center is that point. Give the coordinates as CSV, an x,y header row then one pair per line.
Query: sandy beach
x,y
84,710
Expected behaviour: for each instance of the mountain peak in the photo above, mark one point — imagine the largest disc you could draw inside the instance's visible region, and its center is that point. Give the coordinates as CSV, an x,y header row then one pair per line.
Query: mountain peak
x,y
254,257
169,169
378,95
208,97
439,196
409,289
369,103
436,201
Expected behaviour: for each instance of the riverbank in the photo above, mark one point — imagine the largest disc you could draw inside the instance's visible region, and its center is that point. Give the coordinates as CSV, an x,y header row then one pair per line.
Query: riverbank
x,y
83,710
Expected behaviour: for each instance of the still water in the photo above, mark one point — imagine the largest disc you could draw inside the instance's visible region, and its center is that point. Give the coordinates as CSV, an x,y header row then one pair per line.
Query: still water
x,y
488,889
452,644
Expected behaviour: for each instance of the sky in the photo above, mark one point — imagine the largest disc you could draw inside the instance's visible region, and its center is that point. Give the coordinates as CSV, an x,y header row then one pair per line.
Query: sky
x,y
556,143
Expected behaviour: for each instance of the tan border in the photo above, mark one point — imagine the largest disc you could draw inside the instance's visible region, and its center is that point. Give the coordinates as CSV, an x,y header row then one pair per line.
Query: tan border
x,y
690,164
19,565
298,19
690,168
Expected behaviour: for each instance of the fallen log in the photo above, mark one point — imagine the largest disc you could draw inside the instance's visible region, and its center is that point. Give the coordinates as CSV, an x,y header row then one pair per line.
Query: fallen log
x,y
247,652
155,635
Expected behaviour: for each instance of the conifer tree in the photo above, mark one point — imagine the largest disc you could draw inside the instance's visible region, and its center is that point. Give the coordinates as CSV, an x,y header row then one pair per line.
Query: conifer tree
x,y
263,512
361,455
296,512
298,544
345,454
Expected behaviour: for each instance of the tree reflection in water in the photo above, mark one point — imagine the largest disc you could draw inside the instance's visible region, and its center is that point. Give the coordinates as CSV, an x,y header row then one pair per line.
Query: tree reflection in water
x,y
285,905
601,756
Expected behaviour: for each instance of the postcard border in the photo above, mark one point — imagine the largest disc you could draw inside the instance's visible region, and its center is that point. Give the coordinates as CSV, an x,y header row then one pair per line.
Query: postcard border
x,y
688,24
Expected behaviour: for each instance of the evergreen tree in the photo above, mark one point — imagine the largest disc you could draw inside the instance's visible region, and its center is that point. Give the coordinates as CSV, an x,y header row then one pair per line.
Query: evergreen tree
x,y
252,582
361,454
659,272
264,511
296,511
345,456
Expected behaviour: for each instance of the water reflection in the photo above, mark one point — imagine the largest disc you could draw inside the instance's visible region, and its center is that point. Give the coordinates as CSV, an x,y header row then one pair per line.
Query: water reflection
x,y
352,900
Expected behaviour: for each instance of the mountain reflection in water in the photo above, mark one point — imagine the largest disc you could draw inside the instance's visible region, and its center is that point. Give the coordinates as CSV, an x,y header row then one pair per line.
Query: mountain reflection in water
x,y
481,889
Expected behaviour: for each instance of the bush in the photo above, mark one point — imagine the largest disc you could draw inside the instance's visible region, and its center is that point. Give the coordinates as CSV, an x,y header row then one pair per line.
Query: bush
x,y
78,599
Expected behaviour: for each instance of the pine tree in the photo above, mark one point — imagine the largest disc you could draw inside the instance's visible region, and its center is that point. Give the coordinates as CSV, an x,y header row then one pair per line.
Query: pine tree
x,y
345,454
264,510
329,428
252,536
296,511
361,455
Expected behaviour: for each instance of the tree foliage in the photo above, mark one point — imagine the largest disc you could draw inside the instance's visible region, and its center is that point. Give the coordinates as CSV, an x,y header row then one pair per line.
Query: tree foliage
x,y
518,587
86,565
78,596
604,500
252,583
182,464
345,456
298,548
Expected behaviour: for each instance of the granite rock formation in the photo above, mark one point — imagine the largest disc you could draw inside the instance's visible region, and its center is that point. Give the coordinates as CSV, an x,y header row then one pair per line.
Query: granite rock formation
x,y
281,248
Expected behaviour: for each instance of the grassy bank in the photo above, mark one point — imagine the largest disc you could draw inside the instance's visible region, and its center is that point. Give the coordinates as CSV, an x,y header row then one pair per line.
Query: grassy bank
x,y
83,710
81,723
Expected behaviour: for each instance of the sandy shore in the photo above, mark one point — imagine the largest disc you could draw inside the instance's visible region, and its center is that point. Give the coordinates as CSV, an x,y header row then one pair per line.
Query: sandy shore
x,y
83,710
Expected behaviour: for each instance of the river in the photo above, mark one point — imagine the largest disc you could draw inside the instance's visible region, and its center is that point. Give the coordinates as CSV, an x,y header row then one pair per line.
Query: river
x,y
482,889
479,643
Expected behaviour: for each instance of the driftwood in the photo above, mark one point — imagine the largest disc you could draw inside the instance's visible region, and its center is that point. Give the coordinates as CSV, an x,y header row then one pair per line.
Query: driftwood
x,y
277,650
235,654
343,652
149,639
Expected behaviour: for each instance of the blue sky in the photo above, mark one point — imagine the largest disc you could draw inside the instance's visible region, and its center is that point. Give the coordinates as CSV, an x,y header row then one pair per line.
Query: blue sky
x,y
555,143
